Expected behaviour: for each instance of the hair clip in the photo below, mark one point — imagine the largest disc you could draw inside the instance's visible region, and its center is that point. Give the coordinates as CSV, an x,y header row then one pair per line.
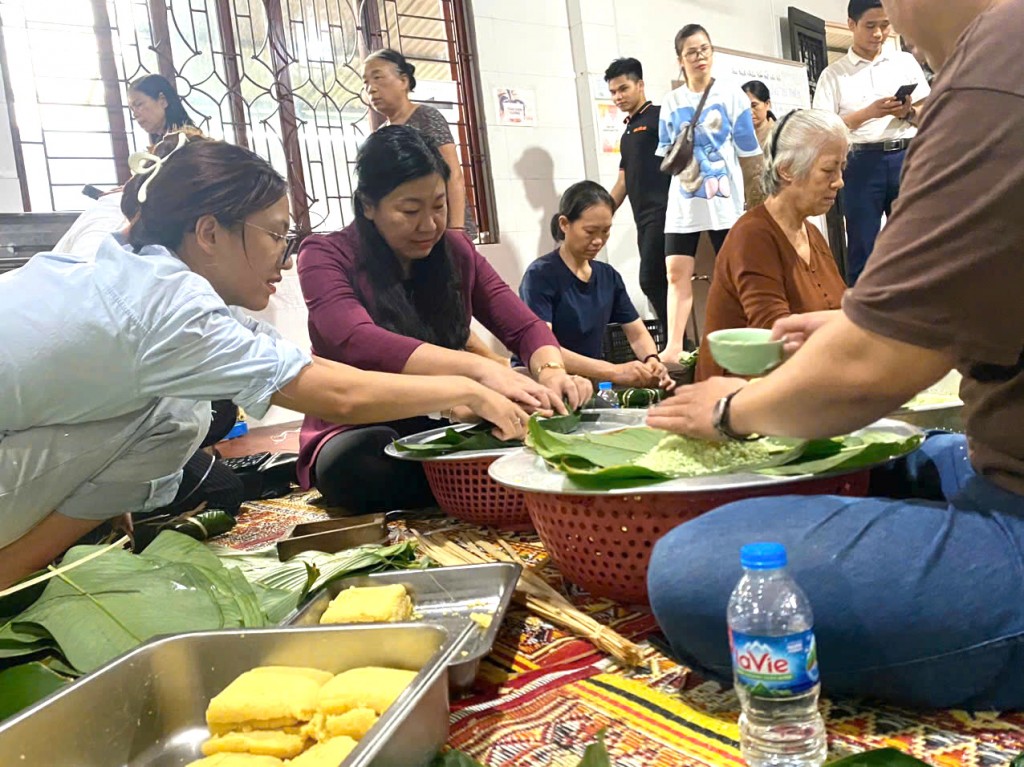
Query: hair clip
x,y
148,164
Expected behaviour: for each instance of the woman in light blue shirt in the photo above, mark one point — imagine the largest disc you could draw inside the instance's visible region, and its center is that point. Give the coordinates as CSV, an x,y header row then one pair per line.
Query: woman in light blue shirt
x,y
108,364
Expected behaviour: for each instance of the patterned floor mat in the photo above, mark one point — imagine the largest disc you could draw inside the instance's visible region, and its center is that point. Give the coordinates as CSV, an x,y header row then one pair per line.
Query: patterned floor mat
x,y
543,695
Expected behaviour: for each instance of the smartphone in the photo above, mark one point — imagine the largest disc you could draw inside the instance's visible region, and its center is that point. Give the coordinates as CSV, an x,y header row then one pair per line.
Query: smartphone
x,y
904,92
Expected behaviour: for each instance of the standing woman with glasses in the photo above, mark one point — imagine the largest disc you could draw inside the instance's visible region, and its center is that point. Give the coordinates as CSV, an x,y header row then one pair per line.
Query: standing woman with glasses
x,y
708,196
110,362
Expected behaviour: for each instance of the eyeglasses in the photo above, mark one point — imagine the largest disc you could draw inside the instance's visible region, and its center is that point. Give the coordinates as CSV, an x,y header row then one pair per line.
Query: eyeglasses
x,y
704,52
290,239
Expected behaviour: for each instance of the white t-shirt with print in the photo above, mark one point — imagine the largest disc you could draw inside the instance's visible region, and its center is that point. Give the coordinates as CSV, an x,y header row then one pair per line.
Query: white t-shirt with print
x,y
709,194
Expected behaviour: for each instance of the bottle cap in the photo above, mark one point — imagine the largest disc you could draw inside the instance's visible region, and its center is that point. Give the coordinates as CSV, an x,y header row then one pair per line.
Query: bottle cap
x,y
763,556
604,386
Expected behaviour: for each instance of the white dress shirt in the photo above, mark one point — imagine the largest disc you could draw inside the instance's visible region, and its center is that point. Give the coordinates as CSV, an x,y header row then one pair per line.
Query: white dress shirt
x,y
852,83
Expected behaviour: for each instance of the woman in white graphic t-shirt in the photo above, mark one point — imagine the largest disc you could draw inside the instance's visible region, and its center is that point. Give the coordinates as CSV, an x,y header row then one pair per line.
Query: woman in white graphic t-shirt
x,y
709,195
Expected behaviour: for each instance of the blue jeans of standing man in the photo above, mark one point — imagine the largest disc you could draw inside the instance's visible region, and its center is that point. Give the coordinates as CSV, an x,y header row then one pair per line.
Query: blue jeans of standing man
x,y
872,181
916,600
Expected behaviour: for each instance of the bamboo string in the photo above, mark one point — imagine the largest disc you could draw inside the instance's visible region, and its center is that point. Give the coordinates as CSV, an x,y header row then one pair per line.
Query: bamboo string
x,y
532,591
54,572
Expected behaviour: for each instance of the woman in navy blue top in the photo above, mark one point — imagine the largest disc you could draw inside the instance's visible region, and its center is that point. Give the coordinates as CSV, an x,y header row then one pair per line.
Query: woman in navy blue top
x,y
578,296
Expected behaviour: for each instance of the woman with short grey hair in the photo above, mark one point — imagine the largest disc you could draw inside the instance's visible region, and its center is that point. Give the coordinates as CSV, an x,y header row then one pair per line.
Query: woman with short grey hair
x,y
775,262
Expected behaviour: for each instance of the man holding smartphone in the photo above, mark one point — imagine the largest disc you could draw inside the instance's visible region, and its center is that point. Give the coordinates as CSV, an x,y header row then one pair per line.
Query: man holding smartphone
x,y
870,88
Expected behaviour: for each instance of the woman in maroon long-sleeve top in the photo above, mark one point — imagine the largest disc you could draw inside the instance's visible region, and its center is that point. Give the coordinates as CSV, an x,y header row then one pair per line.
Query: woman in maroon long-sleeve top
x,y
394,292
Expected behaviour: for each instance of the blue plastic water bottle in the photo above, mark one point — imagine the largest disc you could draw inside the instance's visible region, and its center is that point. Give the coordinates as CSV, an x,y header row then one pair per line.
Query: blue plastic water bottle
x,y
775,663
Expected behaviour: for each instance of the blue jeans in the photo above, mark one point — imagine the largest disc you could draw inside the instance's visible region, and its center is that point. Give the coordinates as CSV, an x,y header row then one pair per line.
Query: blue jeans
x,y
872,184
916,601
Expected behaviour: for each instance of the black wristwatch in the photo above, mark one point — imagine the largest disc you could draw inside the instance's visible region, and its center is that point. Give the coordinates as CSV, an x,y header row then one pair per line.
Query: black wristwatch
x,y
720,420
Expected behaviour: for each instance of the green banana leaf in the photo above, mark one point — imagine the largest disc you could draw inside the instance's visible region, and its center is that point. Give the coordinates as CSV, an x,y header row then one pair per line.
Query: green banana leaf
x,y
27,684
479,437
618,459
848,453
883,757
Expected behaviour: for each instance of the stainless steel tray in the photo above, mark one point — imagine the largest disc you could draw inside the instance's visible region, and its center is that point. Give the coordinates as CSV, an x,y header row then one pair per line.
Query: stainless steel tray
x,y
440,595
147,708
603,420
526,471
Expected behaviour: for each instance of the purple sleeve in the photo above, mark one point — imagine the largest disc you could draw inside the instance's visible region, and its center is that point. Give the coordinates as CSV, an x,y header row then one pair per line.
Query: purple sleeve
x,y
500,310
340,326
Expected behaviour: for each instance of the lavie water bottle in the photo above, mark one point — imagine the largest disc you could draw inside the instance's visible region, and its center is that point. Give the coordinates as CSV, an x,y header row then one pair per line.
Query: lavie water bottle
x,y
775,663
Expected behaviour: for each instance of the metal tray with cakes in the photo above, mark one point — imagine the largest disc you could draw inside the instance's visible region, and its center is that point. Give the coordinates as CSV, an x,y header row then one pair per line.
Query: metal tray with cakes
x,y
447,596
149,708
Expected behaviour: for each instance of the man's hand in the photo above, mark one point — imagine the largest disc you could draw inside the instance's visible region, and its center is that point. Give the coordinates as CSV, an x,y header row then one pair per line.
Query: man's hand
x,y
795,329
689,410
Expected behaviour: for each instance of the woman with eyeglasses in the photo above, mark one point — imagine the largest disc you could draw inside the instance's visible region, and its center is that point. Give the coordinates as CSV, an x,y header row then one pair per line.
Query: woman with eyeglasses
x,y
156,107
395,291
775,262
721,181
108,364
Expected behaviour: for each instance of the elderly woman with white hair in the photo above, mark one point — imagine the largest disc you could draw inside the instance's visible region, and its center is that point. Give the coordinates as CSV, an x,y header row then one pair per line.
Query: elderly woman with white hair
x,y
774,262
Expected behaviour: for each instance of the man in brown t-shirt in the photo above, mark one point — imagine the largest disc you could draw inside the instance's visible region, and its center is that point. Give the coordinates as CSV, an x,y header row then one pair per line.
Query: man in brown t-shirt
x,y
917,600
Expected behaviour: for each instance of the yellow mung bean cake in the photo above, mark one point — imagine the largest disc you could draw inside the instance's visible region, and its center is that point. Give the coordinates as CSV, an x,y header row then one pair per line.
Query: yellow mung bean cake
x,y
369,604
237,760
350,703
263,711
329,754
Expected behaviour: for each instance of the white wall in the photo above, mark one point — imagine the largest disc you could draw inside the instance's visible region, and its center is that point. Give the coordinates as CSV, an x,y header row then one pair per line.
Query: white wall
x,y
10,190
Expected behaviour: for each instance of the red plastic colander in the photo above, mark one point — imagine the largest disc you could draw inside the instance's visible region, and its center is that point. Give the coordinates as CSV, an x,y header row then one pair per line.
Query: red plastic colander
x,y
464,490
603,543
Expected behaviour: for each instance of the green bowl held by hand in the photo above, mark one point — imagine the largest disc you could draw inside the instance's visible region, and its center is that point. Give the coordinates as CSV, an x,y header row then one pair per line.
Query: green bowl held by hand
x,y
745,351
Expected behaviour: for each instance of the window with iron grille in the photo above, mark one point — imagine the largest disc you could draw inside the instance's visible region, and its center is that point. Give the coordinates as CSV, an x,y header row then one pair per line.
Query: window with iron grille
x,y
281,77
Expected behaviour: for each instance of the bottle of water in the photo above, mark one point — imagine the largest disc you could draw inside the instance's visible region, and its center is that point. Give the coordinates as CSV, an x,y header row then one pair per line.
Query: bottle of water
x,y
775,664
605,397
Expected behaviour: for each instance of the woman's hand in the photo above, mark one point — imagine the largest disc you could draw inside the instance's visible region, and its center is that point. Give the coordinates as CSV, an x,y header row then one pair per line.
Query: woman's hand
x,y
657,369
533,396
689,411
795,329
633,373
575,390
508,418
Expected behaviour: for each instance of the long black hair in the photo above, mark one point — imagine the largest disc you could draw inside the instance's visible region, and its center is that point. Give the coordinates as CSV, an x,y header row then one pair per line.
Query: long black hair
x,y
577,200
759,91
203,177
430,305
175,116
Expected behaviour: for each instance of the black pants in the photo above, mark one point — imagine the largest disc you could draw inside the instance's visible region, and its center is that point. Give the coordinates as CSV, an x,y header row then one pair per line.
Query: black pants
x,y
650,240
686,244
204,477
353,473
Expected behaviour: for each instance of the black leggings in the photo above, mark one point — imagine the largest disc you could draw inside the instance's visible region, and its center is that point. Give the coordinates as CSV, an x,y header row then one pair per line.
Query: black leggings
x,y
686,244
353,473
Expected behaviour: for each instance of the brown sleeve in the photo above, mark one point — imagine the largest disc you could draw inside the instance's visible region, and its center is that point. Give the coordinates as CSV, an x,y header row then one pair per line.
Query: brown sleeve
x,y
754,265
947,271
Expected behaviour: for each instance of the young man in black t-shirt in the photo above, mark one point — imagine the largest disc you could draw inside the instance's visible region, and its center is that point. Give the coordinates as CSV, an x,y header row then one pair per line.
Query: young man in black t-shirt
x,y
640,177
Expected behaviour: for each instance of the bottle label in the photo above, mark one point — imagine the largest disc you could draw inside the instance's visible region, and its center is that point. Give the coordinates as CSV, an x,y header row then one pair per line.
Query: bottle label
x,y
775,666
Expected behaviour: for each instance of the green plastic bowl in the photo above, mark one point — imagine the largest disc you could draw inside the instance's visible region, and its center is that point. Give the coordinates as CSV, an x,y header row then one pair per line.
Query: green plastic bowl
x,y
745,351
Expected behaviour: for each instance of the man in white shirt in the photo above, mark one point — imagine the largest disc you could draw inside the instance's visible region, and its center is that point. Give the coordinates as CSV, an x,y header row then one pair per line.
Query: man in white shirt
x,y
861,88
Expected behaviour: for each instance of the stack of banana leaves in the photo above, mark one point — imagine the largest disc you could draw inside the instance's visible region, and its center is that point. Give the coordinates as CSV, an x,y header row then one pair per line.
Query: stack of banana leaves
x,y
103,601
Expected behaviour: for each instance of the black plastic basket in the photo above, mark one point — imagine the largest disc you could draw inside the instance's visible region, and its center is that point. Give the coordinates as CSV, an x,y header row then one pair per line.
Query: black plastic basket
x,y
615,347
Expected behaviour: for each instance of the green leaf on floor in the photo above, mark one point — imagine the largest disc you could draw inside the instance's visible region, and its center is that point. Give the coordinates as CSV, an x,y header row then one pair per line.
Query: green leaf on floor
x,y
27,684
596,754
885,757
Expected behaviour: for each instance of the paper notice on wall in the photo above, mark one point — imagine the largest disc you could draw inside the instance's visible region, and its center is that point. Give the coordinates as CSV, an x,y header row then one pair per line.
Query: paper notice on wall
x,y
609,125
516,106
